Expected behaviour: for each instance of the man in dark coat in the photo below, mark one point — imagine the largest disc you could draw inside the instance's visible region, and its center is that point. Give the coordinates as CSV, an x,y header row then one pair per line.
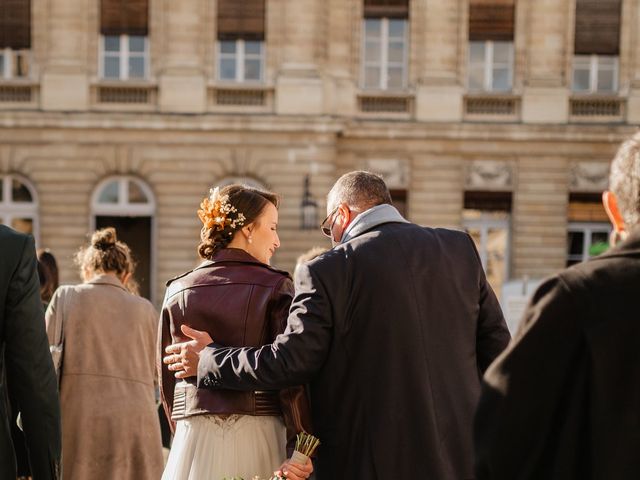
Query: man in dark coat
x,y
563,401
27,377
392,329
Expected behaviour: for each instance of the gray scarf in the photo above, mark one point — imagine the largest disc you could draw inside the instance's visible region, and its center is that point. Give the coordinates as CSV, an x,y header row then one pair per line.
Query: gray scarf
x,y
372,218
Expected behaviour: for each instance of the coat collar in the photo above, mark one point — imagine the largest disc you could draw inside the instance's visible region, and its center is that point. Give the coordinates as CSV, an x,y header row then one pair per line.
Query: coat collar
x,y
236,255
630,246
107,279
370,219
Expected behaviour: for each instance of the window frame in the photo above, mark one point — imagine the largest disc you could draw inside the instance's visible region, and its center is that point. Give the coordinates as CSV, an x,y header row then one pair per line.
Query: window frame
x,y
594,69
383,64
10,209
587,229
240,56
488,66
12,56
123,56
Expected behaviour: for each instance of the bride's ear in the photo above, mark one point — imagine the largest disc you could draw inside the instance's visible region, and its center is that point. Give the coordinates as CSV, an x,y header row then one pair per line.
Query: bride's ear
x,y
247,230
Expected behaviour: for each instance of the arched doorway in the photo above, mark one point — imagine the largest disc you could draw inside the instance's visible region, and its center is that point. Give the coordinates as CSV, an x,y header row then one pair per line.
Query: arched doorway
x,y
19,204
127,204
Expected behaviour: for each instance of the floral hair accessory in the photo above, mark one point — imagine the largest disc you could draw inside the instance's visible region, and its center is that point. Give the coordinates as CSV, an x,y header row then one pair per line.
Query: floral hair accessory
x,y
215,212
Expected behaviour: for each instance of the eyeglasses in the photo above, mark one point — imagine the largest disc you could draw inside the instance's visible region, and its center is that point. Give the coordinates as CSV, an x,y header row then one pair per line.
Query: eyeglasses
x,y
326,230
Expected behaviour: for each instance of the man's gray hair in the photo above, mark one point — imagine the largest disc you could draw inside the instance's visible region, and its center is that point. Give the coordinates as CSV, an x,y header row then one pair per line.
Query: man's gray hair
x,y
360,190
624,180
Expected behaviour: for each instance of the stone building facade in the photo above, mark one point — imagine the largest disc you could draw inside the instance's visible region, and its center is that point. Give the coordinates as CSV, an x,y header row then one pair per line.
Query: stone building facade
x,y
498,116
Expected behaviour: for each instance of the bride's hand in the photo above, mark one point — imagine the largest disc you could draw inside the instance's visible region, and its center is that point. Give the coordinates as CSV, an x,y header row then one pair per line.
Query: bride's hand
x,y
295,471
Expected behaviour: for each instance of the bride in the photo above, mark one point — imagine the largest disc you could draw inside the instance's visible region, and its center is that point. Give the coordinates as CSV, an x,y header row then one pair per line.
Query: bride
x,y
238,299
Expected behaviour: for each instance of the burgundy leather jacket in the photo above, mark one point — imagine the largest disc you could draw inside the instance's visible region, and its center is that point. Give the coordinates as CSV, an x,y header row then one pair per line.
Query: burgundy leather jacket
x,y
239,301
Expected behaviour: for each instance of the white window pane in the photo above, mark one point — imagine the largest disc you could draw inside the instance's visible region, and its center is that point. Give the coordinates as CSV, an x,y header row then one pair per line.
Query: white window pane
x,y
397,28
112,67
476,78
24,225
582,62
252,69
396,52
109,193
136,44
136,67
476,52
606,81
111,43
252,48
372,77
372,52
1,65
502,52
607,61
394,77
372,28
136,194
21,67
228,69
227,47
581,81
19,192
501,80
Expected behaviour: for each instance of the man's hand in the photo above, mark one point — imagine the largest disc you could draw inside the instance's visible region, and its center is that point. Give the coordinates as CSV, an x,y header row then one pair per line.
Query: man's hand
x,y
183,357
295,471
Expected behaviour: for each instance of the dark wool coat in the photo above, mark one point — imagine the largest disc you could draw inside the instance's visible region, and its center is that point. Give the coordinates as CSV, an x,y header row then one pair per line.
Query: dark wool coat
x,y
392,330
25,362
563,401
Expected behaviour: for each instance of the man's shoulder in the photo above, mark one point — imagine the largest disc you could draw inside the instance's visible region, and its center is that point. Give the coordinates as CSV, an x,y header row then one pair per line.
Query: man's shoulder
x,y
11,238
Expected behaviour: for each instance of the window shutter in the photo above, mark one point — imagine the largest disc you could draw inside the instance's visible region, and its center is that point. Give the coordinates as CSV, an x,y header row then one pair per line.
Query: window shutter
x,y
491,20
124,17
386,8
241,19
15,24
597,27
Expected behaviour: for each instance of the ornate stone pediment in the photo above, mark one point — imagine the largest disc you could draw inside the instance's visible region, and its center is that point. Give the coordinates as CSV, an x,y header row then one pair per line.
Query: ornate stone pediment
x,y
589,177
489,175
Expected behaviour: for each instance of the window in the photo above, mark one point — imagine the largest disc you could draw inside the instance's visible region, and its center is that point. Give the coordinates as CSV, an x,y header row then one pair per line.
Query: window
x,y
240,60
124,57
18,204
124,46
127,204
487,218
595,73
14,63
491,66
385,53
586,240
15,39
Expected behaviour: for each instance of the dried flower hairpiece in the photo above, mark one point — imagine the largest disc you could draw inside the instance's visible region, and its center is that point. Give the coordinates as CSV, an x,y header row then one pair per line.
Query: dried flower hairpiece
x,y
215,212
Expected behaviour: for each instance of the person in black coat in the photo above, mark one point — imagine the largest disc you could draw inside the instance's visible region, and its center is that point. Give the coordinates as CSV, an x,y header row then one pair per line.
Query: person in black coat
x,y
563,401
392,329
27,377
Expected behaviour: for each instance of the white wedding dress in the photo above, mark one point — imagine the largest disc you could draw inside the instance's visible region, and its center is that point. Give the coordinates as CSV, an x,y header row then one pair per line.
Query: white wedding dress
x,y
212,447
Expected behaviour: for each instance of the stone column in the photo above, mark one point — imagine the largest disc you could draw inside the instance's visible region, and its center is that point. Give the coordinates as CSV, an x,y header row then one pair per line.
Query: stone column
x,y
343,24
549,37
438,33
65,80
182,79
299,86
436,192
540,216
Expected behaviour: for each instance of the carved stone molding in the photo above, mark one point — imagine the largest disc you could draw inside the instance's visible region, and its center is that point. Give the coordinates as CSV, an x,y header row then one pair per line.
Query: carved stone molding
x,y
489,175
394,171
589,177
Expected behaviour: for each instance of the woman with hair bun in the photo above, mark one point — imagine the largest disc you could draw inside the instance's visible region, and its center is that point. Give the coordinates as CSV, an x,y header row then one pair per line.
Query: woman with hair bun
x,y
110,426
240,300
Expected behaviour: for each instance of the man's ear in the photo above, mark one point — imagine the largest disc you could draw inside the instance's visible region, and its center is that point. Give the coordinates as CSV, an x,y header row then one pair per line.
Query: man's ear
x,y
610,203
345,214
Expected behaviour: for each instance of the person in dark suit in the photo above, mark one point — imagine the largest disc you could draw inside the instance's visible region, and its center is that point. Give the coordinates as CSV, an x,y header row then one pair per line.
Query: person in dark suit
x,y
27,376
563,401
392,329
